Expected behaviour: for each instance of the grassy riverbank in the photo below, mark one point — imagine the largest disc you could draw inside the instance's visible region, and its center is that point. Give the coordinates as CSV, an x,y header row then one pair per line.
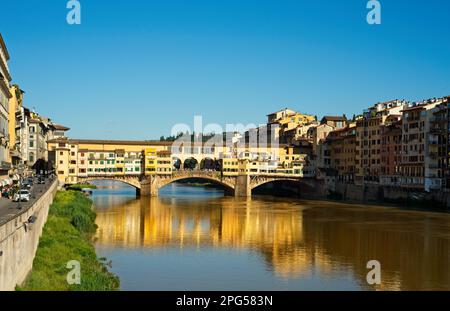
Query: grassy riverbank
x,y
79,187
67,236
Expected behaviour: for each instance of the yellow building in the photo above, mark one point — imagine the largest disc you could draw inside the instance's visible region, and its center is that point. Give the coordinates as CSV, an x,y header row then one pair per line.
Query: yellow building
x,y
76,158
295,120
151,161
15,104
230,167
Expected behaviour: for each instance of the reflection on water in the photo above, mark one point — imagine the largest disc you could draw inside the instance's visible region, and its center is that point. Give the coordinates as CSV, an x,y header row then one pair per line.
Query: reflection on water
x,y
196,239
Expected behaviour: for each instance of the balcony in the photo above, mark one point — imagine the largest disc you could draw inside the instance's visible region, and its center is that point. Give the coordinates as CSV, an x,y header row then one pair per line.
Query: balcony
x,y
437,130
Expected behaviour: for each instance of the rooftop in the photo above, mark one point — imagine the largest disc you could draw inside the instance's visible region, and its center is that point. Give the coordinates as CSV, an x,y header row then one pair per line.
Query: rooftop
x,y
334,118
60,127
3,45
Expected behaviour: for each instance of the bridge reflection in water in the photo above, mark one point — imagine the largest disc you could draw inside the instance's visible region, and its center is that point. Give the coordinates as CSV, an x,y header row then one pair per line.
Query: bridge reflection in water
x,y
294,238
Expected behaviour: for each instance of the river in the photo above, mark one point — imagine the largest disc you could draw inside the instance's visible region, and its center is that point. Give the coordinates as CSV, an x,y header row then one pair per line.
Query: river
x,y
194,238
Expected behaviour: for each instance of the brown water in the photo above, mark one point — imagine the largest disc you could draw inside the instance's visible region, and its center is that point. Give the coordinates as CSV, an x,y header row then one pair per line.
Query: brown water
x,y
197,239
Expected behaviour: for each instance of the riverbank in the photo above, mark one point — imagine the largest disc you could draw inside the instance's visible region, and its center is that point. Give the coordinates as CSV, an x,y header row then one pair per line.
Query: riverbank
x,y
67,236
80,187
369,195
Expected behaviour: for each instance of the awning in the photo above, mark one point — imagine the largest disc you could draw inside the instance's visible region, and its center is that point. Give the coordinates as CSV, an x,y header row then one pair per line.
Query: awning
x,y
6,182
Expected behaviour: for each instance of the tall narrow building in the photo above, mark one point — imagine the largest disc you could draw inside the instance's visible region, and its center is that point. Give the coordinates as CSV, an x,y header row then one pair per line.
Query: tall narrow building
x,y
5,95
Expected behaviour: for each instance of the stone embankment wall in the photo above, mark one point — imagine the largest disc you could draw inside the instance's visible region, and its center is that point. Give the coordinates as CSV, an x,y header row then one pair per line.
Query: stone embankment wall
x,y
370,193
19,240
377,193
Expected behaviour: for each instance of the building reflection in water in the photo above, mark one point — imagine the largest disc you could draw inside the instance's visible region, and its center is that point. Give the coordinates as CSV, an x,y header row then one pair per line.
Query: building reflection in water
x,y
295,238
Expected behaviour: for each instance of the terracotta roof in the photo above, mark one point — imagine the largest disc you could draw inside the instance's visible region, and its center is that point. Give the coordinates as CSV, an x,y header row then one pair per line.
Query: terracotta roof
x,y
112,142
60,127
164,152
334,118
414,108
282,110
139,143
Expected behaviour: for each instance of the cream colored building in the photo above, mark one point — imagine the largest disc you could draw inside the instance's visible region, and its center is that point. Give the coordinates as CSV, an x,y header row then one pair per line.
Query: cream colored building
x,y
5,95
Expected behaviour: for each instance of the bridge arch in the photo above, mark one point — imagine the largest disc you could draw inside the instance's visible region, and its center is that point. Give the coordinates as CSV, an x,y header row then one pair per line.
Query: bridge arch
x,y
131,181
228,185
296,186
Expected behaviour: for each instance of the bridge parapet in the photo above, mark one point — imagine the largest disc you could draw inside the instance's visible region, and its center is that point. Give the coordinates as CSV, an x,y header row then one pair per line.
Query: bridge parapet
x,y
240,185
134,180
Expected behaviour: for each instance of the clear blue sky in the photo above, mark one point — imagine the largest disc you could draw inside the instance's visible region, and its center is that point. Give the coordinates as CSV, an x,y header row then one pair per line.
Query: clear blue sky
x,y
134,68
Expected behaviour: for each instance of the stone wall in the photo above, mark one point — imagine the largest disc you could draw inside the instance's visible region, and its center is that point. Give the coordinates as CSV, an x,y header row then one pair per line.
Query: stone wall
x,y
374,192
19,241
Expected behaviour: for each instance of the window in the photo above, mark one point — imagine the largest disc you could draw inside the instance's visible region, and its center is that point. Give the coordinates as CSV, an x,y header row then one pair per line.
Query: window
x,y
31,143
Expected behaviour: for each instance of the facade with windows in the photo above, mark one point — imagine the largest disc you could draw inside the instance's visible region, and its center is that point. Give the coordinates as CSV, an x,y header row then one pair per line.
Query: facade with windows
x,y
5,95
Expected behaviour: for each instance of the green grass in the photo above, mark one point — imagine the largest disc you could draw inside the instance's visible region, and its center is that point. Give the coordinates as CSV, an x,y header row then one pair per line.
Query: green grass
x,y
79,187
67,236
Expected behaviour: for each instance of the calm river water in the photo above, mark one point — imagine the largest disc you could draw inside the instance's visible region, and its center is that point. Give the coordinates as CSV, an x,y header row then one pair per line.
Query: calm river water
x,y
196,239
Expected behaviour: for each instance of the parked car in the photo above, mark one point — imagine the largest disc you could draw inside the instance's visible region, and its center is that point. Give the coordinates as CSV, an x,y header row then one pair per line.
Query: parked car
x,y
26,185
22,195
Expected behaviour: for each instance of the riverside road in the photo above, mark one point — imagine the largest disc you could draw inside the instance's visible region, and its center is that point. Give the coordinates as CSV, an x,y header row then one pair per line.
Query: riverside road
x,y
9,209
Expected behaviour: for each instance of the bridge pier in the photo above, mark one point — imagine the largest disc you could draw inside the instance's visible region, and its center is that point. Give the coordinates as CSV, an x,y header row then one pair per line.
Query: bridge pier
x,y
242,188
149,187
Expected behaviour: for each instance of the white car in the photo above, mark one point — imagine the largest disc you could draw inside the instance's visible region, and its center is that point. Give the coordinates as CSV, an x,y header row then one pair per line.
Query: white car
x,y
22,195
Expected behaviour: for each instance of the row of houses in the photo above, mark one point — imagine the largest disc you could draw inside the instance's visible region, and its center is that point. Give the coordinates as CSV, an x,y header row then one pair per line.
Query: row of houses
x,y
23,132
75,159
396,143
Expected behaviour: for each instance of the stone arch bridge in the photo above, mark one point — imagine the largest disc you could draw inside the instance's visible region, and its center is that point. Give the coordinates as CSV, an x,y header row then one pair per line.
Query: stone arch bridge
x,y
240,186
